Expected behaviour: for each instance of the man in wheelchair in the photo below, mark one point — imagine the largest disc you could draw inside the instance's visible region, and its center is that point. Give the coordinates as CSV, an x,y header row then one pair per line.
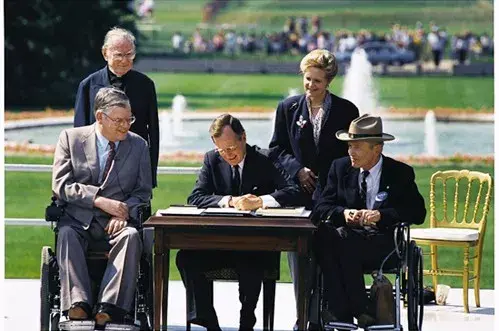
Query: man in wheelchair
x,y
366,195
101,174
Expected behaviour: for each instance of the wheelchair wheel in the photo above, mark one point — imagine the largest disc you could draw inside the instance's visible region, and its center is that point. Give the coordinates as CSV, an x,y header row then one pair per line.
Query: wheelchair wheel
x,y
48,321
415,292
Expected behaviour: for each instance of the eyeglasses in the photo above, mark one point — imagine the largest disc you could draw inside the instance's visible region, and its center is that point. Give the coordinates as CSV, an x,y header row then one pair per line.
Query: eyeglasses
x,y
230,149
121,56
121,121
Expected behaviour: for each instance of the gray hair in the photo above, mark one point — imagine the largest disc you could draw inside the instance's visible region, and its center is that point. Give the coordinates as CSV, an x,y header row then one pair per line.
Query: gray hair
x,y
117,34
219,123
110,97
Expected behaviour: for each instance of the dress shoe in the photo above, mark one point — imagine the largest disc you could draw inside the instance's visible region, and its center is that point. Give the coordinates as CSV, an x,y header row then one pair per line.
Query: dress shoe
x,y
106,312
79,311
210,324
313,327
365,320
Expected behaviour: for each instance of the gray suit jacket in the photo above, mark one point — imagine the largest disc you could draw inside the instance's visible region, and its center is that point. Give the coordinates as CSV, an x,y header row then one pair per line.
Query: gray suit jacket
x,y
76,173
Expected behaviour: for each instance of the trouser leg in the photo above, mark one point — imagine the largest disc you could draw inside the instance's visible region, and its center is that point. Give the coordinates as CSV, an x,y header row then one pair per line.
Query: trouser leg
x,y
192,265
310,283
73,272
328,253
249,267
120,277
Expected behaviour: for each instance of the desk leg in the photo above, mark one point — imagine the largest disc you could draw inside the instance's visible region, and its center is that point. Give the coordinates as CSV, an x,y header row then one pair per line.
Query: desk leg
x,y
166,278
158,277
302,296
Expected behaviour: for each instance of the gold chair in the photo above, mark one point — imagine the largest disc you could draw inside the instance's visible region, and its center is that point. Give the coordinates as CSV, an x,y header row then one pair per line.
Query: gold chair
x,y
459,203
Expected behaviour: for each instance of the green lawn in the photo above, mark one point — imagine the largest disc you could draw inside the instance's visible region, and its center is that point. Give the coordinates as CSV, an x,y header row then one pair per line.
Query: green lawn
x,y
208,91
27,194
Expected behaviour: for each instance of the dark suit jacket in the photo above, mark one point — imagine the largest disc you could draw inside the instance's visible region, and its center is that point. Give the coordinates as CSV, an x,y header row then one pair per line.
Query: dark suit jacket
x,y
403,203
260,176
142,94
294,147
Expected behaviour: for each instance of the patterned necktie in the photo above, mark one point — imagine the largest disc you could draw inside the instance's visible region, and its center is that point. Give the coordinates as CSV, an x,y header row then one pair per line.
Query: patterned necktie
x,y
109,161
363,188
236,181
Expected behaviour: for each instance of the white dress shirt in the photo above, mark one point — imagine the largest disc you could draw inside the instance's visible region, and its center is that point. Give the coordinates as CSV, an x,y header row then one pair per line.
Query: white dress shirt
x,y
372,182
267,200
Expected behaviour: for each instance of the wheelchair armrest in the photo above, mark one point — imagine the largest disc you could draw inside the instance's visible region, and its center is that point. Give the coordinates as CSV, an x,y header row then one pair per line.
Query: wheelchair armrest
x,y
54,211
141,213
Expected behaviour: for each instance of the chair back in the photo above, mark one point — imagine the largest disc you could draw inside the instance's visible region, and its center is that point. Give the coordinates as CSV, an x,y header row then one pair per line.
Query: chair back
x,y
460,199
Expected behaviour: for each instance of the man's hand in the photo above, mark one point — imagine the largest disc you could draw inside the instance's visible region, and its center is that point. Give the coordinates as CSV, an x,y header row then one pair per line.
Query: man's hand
x,y
112,207
115,225
353,217
248,202
307,179
371,217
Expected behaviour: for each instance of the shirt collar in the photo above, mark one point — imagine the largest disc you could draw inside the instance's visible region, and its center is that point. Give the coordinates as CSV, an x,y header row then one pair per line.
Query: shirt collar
x,y
376,170
241,164
113,77
102,141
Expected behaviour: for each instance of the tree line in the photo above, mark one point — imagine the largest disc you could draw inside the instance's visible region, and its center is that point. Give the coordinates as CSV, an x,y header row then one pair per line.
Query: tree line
x,y
51,45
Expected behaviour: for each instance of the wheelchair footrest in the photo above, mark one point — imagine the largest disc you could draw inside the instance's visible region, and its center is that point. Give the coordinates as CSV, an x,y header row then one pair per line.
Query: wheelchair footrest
x,y
381,327
77,325
90,326
340,326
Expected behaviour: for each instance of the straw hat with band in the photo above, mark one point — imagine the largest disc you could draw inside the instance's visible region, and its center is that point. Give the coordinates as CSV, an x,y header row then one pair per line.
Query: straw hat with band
x,y
365,127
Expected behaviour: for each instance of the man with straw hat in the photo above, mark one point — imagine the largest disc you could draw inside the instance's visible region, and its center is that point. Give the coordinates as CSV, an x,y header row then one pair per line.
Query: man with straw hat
x,y
366,194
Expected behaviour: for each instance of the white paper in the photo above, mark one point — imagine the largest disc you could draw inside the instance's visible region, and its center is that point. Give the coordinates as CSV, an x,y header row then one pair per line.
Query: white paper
x,y
180,211
226,211
284,212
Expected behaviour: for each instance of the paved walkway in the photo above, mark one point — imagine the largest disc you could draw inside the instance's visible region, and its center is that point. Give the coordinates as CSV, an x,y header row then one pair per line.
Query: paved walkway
x,y
22,308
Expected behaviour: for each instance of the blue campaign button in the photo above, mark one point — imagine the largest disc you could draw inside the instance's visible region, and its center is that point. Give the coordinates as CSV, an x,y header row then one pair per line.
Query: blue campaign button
x,y
381,196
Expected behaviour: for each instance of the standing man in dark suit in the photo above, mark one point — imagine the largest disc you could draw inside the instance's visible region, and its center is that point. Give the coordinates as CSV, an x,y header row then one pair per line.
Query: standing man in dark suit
x,y
366,194
237,175
119,52
101,174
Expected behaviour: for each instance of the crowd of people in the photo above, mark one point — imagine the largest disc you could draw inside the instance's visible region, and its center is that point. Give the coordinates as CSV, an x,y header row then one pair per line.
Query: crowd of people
x,y
300,36
322,155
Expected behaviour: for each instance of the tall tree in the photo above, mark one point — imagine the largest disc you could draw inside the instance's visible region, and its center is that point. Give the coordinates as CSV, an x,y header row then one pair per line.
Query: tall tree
x,y
50,45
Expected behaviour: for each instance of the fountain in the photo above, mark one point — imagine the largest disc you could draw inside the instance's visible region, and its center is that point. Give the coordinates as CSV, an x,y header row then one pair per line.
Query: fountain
x,y
430,127
167,139
179,105
358,86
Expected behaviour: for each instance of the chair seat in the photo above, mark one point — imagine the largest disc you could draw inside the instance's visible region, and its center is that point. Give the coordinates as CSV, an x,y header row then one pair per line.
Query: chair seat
x,y
450,234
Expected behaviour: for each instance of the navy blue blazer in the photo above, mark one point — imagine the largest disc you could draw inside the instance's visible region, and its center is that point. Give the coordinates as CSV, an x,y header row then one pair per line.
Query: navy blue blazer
x,y
402,202
260,176
141,91
294,147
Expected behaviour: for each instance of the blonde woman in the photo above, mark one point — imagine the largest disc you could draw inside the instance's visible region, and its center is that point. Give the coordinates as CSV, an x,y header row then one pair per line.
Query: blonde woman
x,y
303,140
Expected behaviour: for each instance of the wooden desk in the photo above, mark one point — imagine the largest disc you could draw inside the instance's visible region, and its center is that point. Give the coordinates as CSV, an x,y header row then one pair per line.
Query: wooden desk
x,y
227,233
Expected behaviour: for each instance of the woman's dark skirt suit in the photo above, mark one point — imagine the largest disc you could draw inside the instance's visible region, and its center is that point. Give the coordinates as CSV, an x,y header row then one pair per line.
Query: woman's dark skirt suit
x,y
293,146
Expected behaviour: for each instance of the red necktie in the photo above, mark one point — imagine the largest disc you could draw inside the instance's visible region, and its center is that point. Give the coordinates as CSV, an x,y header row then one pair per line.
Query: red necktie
x,y
109,161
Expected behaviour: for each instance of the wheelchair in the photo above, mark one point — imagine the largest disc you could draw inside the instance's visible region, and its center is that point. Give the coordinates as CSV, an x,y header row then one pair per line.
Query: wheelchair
x,y
51,318
408,285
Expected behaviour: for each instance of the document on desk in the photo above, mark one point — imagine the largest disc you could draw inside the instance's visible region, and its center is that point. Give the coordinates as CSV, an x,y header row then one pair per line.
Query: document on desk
x,y
181,210
283,212
229,211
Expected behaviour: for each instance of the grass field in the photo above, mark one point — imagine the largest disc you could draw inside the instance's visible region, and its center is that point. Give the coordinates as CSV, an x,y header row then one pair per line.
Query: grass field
x,y
27,194
208,91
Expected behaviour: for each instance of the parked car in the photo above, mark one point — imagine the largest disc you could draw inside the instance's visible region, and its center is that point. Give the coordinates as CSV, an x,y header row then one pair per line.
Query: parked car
x,y
380,53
